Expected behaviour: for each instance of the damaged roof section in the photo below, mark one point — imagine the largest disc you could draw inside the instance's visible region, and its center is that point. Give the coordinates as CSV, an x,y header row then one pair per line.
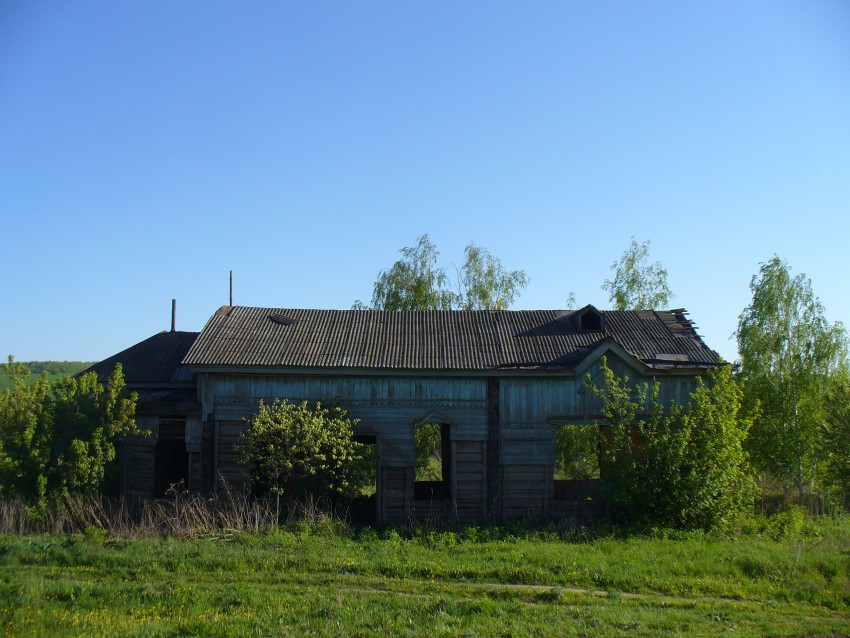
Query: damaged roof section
x,y
444,339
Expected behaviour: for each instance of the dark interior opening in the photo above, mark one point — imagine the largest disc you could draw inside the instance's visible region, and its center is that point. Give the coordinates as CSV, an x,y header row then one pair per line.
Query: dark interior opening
x,y
591,321
171,465
363,508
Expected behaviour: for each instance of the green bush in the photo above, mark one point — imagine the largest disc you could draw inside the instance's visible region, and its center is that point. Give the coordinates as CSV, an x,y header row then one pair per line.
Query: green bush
x,y
683,467
57,438
293,450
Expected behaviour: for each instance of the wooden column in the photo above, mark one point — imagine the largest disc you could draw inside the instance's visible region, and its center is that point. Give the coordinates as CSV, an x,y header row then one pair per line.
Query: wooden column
x,y
493,486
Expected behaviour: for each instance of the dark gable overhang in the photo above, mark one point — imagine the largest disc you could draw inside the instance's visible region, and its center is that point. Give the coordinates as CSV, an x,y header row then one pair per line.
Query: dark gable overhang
x,y
154,362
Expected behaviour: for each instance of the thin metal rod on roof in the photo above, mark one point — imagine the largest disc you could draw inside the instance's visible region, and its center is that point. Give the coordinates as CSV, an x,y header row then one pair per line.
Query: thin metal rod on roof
x,y
231,287
173,315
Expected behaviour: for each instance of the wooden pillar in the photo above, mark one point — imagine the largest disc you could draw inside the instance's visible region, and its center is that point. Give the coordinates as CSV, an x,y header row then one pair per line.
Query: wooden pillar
x,y
493,486
207,478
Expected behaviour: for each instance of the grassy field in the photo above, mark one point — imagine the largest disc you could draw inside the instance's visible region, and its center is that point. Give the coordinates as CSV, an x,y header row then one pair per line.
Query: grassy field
x,y
472,582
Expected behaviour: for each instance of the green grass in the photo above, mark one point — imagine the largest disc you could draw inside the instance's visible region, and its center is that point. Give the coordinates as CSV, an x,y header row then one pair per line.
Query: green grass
x,y
473,582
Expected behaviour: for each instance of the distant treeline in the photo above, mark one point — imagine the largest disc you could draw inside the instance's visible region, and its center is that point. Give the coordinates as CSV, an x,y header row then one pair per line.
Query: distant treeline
x,y
53,368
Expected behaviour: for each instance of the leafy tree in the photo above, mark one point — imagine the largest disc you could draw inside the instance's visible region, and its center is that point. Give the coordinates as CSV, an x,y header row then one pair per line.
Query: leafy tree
x,y
788,352
413,282
638,285
717,475
89,419
837,436
293,449
485,284
26,429
58,438
416,282
682,466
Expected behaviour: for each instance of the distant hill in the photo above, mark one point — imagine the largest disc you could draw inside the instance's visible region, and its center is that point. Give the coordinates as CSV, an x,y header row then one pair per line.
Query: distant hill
x,y
54,369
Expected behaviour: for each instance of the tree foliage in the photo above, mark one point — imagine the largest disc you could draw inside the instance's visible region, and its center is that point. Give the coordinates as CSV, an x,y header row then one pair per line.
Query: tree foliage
x,y
416,282
681,466
788,352
837,436
428,452
577,452
484,284
294,449
637,284
58,438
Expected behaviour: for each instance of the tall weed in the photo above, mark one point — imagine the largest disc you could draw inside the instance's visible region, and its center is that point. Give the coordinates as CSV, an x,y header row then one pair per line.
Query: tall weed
x,y
181,515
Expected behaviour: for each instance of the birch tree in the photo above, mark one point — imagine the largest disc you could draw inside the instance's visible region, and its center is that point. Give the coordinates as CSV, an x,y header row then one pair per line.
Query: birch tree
x,y
417,282
788,351
414,282
637,284
484,284
837,407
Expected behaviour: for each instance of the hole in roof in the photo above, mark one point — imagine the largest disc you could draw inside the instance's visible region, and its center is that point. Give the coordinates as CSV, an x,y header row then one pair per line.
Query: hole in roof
x,y
283,320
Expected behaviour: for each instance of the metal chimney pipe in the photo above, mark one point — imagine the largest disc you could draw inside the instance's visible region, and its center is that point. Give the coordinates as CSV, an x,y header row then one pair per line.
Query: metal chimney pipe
x,y
231,287
173,315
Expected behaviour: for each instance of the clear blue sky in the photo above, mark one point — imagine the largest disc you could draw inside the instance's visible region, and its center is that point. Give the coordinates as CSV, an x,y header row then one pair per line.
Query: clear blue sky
x,y
148,148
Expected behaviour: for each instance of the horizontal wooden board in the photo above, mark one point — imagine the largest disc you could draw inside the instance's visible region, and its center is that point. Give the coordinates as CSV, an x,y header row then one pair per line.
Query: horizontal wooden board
x,y
531,451
525,490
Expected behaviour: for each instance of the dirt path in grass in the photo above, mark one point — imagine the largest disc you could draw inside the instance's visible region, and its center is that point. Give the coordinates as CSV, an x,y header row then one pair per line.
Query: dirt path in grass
x,y
398,585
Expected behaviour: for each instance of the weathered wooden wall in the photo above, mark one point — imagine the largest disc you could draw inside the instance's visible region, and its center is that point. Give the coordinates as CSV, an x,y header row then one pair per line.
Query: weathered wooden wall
x,y
387,407
502,431
138,466
531,408
140,471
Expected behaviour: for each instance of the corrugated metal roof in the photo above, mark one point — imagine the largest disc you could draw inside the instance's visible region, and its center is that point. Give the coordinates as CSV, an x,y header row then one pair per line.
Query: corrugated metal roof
x,y
440,339
154,360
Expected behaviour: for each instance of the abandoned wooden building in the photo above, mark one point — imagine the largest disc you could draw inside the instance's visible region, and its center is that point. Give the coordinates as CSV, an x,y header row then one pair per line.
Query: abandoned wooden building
x,y
500,385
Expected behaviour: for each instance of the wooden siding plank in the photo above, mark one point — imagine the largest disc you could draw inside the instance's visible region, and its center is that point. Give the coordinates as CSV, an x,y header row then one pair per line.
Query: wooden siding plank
x,y
524,491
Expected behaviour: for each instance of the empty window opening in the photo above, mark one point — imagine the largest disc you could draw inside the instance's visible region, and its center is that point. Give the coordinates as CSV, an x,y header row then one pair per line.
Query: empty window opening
x,y
432,461
364,506
577,449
